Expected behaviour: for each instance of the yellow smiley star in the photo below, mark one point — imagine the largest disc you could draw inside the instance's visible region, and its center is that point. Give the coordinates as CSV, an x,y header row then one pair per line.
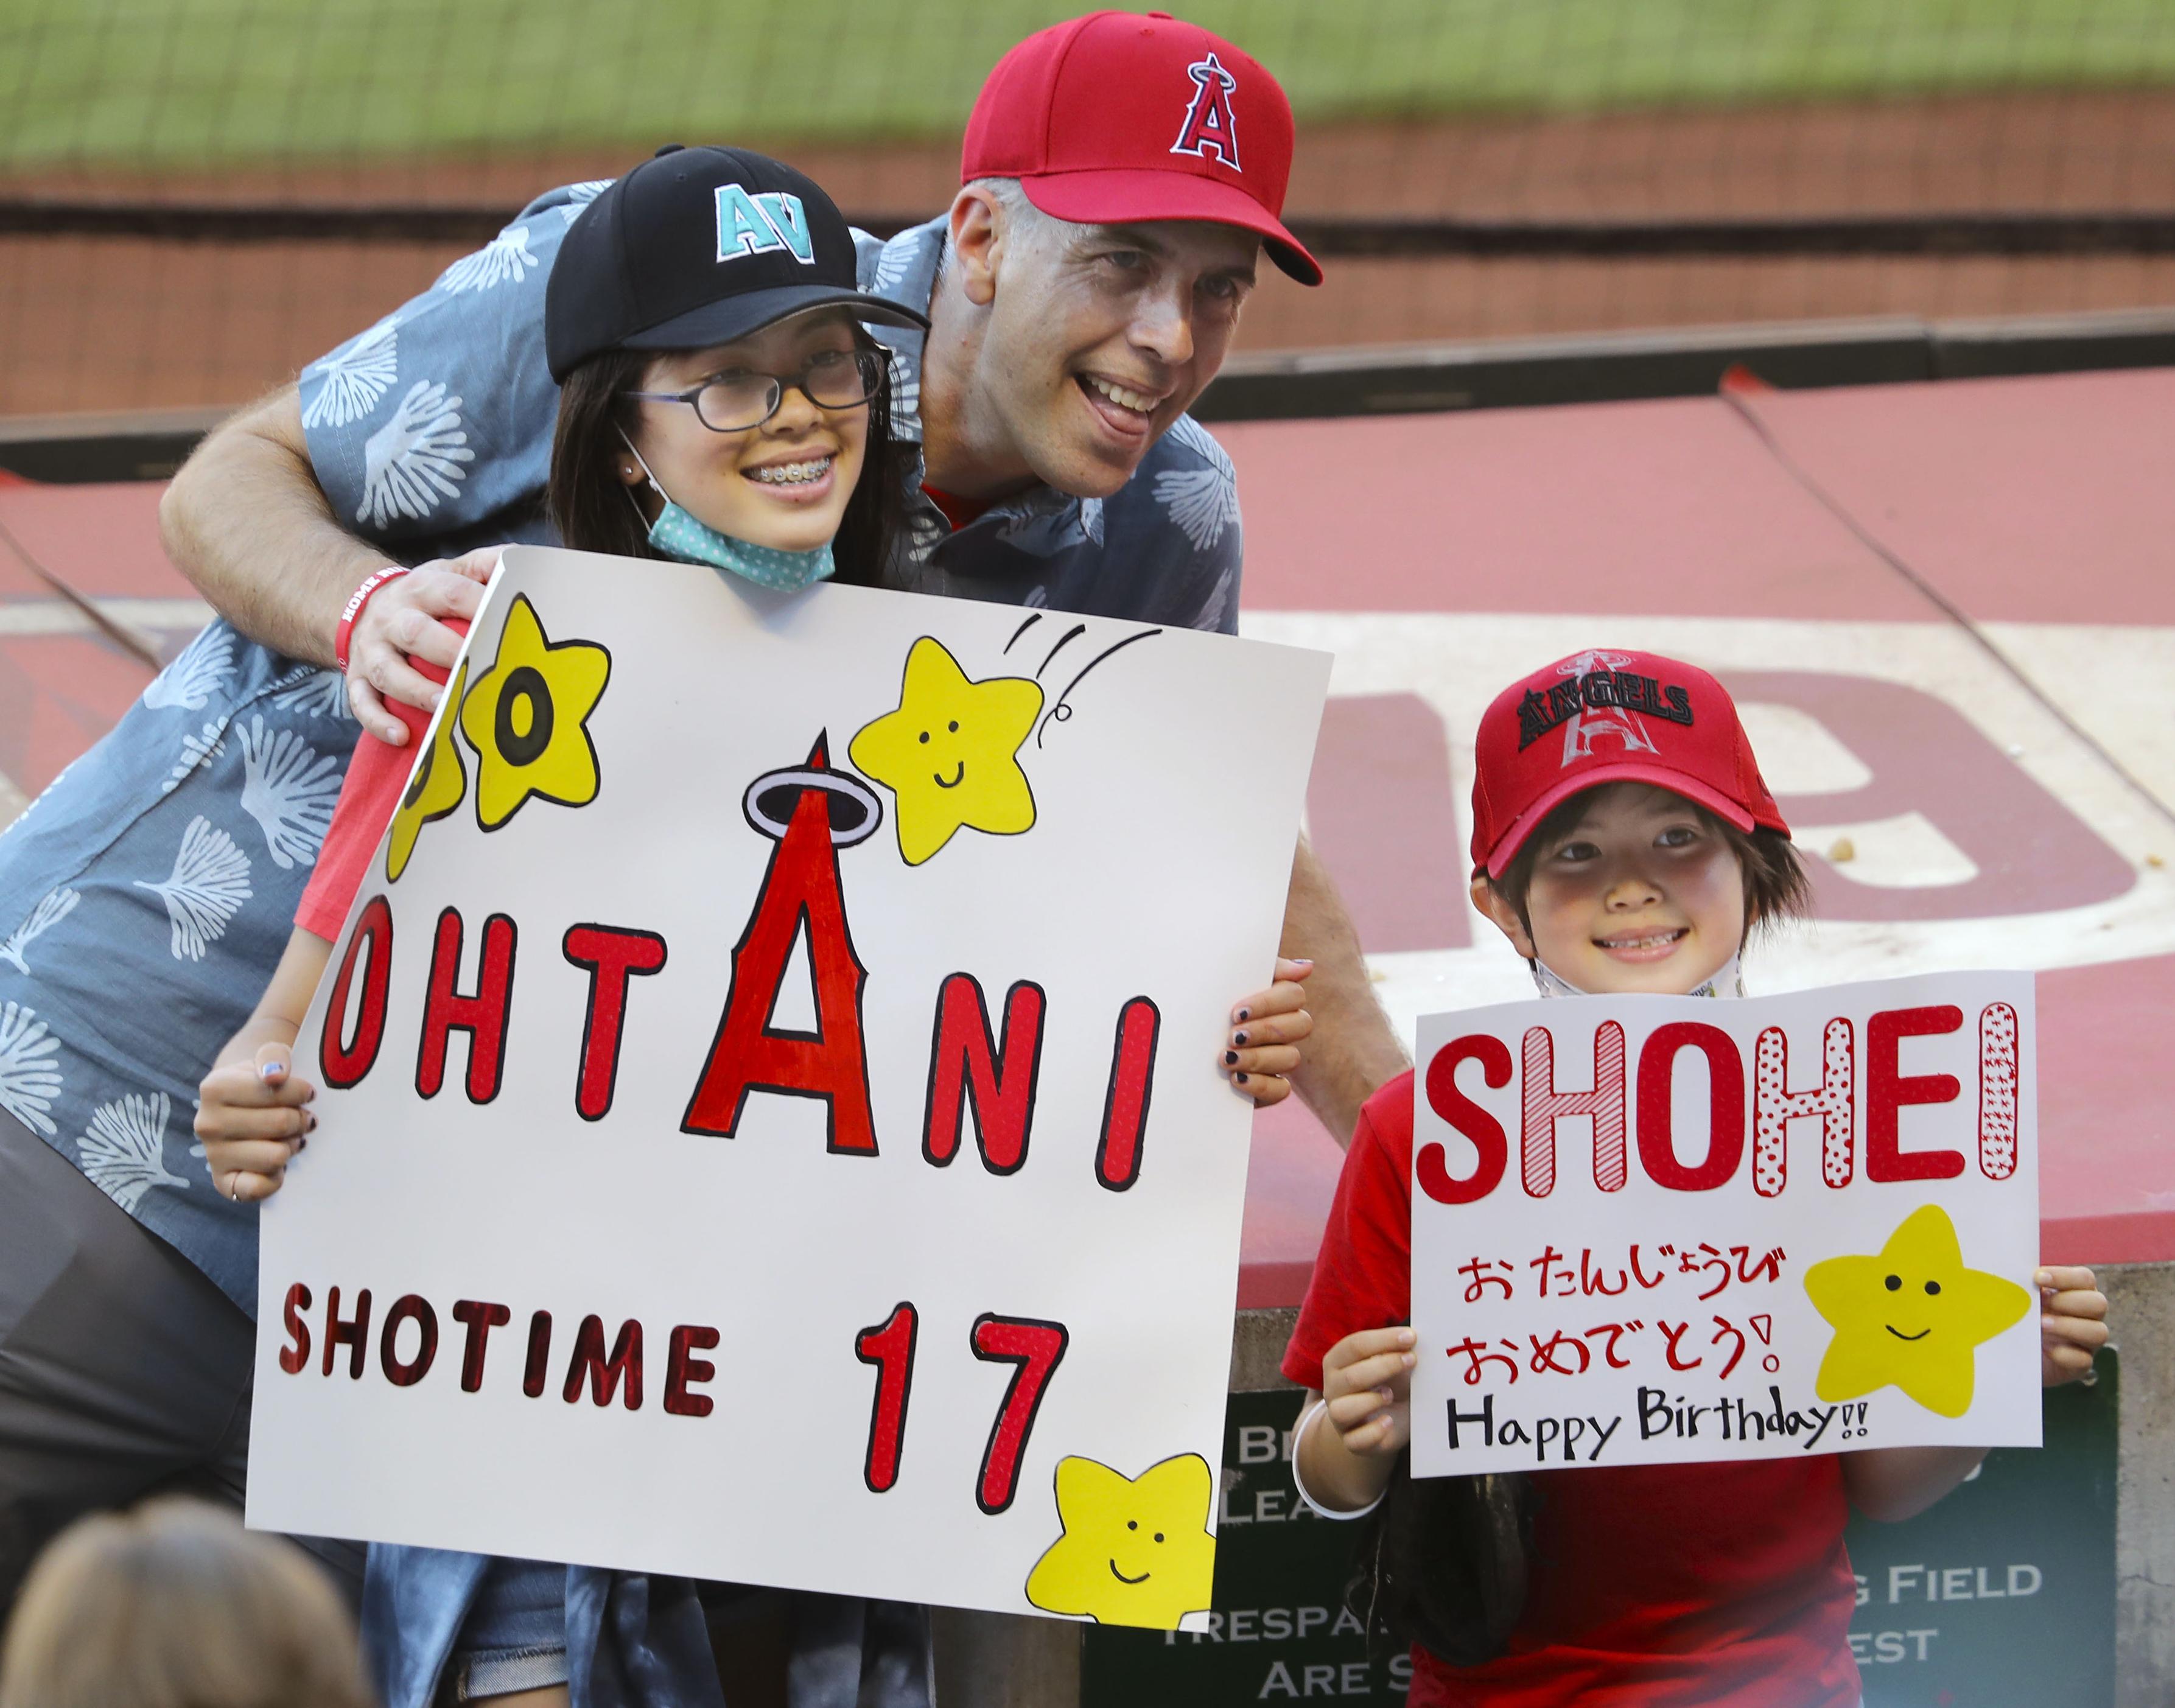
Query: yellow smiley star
x,y
526,716
1135,1551
950,753
440,782
1912,1317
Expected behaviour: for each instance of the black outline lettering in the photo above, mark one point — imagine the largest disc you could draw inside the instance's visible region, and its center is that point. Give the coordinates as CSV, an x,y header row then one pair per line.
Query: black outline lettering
x,y
336,1059
627,971
881,1362
490,1072
939,1142
1022,1363
1140,1120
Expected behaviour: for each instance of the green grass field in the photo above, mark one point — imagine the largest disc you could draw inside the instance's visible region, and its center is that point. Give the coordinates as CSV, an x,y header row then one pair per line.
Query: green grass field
x,y
175,82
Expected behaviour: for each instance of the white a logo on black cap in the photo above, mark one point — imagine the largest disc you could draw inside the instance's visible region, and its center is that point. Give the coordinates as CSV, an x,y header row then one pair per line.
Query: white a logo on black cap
x,y
764,223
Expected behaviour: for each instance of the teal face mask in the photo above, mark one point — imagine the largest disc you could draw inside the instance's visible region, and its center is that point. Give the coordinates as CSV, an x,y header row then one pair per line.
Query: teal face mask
x,y
686,539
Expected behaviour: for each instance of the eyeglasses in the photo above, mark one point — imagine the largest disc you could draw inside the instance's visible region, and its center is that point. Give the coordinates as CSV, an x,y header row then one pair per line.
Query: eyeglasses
x,y
734,403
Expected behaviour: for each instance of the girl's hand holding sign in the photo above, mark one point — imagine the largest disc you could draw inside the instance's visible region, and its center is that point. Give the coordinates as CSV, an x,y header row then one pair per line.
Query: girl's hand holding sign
x,y
1267,1029
2072,1323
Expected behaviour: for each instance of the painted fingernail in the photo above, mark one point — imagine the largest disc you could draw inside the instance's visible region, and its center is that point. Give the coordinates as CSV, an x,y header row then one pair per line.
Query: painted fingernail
x,y
1302,961
1230,1058
1238,1038
272,1067
301,1146
1240,1077
309,1124
1244,1014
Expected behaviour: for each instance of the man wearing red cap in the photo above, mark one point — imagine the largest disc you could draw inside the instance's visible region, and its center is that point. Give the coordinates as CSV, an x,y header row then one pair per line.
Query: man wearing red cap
x,y
1120,175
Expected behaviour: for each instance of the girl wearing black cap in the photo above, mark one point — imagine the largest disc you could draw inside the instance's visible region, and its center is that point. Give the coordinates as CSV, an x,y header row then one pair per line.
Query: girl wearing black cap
x,y
704,326
719,403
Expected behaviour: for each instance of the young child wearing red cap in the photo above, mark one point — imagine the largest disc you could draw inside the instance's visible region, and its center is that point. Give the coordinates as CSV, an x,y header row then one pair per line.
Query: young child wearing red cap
x,y
1624,842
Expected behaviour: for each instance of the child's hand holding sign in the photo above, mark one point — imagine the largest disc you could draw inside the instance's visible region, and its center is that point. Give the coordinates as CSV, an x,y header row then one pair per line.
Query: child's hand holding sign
x,y
2072,1323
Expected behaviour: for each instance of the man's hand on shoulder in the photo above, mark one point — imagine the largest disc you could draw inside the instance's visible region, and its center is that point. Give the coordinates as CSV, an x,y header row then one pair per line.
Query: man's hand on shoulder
x,y
404,619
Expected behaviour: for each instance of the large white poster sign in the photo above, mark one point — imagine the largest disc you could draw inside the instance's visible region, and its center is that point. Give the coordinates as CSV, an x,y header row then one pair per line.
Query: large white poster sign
x,y
1656,1230
770,1126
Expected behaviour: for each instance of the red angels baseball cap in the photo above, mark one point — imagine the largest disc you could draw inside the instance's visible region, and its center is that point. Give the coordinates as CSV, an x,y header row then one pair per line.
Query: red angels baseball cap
x,y
1609,716
1124,116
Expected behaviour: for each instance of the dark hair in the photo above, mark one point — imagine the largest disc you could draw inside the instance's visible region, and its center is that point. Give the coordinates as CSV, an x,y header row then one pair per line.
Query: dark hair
x,y
591,505
1777,886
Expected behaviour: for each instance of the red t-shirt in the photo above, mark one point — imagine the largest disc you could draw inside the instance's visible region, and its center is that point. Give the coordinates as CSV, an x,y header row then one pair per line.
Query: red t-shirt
x,y
376,778
1658,1586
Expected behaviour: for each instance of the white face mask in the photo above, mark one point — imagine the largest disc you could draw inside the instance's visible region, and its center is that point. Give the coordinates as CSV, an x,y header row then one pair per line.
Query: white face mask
x,y
1728,980
687,538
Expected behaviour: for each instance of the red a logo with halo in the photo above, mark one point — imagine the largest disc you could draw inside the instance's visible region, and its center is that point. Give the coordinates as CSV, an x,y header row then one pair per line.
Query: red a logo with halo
x,y
1208,122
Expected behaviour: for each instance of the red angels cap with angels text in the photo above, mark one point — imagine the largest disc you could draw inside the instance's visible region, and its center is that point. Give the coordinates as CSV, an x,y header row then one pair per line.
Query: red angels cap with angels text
x,y
1603,716
1123,116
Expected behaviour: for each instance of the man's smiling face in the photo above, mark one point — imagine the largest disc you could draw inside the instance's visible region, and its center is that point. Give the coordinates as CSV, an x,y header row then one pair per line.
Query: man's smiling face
x,y
1099,337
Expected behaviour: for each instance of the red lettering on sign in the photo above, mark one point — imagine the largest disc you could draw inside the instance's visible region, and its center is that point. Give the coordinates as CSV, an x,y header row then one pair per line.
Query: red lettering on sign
x,y
1657,1063
533,1374
613,956
480,1319
889,1346
683,1370
1118,1152
342,1064
604,1374
1999,1078
1037,1348
1775,1106
1430,1164
1888,1089
409,1307
354,1333
293,1358
965,1061
1544,1106
482,1015
799,892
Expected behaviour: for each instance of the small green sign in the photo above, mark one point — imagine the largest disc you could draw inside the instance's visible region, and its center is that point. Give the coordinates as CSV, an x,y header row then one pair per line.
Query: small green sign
x,y
2003,1593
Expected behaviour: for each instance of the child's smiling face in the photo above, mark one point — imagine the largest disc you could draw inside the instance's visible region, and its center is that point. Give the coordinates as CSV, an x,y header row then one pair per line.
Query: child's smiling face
x,y
1638,892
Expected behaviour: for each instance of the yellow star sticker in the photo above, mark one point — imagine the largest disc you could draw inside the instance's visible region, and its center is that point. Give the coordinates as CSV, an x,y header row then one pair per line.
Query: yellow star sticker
x,y
440,782
1912,1317
950,753
1136,1551
526,716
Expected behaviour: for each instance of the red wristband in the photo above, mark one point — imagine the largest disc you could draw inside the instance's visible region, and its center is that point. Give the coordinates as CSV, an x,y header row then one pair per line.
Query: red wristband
x,y
354,604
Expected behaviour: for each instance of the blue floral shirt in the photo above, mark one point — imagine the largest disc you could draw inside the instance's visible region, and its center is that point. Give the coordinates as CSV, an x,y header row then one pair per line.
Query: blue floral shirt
x,y
146,896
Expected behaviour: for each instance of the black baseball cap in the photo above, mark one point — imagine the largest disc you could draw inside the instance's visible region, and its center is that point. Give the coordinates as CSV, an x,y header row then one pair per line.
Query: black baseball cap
x,y
700,246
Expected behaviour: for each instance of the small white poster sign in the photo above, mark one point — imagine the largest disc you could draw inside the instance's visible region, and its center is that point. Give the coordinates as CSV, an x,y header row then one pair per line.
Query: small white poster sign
x,y
1651,1230
770,1126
